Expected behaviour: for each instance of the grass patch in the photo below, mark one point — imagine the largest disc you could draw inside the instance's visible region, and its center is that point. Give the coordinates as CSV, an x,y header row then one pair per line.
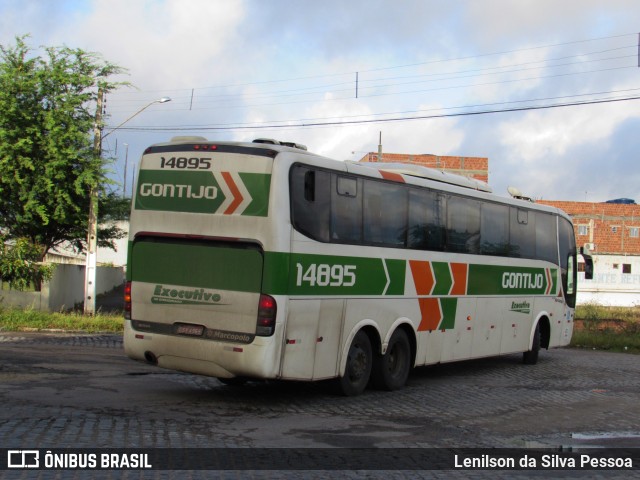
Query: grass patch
x,y
615,329
18,320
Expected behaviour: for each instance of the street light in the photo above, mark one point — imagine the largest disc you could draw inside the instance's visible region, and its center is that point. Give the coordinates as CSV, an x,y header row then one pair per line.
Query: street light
x,y
160,100
92,231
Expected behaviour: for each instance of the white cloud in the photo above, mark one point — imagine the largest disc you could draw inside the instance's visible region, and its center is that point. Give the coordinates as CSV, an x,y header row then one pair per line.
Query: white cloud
x,y
173,46
541,134
170,44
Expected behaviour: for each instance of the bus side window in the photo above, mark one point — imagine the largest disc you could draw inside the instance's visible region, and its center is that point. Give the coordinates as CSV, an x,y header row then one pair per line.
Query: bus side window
x,y
347,186
310,186
346,210
463,225
425,229
522,234
385,214
568,259
570,274
494,229
546,237
310,202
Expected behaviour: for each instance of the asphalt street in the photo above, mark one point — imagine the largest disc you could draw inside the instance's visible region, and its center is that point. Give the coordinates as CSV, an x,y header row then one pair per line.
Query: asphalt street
x,y
80,391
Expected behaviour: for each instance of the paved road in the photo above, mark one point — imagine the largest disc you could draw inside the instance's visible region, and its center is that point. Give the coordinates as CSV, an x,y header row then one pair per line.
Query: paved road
x,y
81,391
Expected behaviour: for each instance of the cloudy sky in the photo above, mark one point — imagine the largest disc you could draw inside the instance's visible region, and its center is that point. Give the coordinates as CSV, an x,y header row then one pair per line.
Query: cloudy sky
x,y
333,74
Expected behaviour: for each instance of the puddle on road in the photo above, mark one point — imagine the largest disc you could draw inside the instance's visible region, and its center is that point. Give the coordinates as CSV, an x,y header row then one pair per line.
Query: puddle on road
x,y
605,435
587,440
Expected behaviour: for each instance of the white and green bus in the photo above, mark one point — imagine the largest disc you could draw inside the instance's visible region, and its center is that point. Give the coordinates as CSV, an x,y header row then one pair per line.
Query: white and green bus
x,y
264,261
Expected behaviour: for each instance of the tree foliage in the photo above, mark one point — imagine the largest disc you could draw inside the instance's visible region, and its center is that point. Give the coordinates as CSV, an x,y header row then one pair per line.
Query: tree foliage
x,y
20,264
48,164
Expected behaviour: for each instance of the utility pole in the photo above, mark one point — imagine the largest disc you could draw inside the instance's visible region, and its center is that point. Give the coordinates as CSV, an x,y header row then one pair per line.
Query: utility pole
x,y
92,234
92,230
126,165
380,148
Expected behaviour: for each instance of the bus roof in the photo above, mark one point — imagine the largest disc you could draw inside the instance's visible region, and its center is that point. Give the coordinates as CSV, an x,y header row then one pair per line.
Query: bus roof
x,y
428,173
368,168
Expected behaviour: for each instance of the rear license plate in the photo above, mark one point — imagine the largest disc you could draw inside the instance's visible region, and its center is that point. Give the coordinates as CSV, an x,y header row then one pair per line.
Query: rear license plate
x,y
187,329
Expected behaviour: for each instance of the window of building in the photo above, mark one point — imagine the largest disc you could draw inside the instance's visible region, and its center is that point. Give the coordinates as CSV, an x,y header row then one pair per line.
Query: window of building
x,y
626,268
634,232
614,229
583,229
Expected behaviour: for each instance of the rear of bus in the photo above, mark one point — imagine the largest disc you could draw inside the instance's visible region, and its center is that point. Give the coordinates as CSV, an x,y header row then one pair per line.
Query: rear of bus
x,y
200,227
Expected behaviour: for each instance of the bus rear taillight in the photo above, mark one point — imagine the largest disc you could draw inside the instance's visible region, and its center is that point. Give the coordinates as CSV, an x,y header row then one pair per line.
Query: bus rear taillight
x,y
127,300
267,309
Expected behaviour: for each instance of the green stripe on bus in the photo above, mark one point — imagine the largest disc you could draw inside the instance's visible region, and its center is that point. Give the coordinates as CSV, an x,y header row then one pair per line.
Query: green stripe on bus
x,y
258,185
295,274
449,307
200,192
443,278
178,191
506,280
311,274
197,265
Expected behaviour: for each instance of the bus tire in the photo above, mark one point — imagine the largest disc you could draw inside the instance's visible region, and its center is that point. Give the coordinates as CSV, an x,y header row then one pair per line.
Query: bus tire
x,y
531,357
358,368
233,381
391,370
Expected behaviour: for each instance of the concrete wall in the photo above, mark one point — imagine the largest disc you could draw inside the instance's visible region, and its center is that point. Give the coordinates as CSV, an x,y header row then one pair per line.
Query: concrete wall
x,y
65,290
616,281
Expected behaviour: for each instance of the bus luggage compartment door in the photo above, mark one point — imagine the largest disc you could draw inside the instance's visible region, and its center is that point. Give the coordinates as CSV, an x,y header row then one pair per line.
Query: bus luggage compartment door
x,y
196,288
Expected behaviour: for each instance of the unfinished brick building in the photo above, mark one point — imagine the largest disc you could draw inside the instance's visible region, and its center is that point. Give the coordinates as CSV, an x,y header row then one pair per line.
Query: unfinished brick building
x,y
474,167
610,228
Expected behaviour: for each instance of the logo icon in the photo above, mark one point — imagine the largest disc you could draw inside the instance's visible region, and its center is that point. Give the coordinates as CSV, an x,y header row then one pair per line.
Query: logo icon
x,y
23,459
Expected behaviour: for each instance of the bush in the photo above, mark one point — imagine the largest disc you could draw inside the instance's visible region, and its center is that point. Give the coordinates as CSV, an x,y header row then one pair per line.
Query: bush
x,y
607,328
20,264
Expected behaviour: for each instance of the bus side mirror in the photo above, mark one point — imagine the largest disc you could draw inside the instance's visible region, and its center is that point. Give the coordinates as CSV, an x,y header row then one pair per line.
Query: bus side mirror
x,y
588,264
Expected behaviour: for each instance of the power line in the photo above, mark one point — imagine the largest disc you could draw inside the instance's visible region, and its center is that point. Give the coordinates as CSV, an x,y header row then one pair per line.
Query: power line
x,y
404,112
362,80
393,67
384,120
401,92
218,101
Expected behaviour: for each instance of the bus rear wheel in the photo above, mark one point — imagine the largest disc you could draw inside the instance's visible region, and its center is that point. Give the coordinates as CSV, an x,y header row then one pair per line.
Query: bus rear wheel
x,y
233,381
391,370
358,368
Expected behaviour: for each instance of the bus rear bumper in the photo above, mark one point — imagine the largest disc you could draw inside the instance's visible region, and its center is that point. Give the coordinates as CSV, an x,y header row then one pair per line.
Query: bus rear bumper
x,y
203,357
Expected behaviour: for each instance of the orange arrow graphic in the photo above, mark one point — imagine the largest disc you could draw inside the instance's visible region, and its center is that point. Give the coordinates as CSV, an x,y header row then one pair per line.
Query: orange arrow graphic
x,y
235,191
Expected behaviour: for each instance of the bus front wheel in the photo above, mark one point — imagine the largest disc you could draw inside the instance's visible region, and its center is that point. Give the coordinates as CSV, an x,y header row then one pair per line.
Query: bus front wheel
x,y
531,357
358,368
391,370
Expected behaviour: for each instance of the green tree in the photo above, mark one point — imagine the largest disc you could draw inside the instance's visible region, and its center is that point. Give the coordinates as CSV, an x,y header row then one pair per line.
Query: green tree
x,y
48,164
20,264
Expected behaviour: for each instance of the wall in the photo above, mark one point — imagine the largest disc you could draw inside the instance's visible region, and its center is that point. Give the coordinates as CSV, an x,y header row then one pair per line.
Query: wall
x,y
117,257
611,284
65,290
600,220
